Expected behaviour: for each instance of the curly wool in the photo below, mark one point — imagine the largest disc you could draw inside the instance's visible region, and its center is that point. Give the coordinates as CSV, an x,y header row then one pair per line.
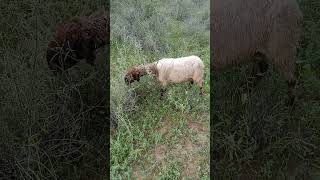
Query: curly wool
x,y
77,39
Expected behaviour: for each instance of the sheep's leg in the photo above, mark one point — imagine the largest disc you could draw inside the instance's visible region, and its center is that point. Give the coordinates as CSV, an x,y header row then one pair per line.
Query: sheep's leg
x,y
200,84
91,58
201,91
252,79
283,48
163,89
284,60
162,92
291,91
287,67
289,72
198,78
190,84
259,68
88,52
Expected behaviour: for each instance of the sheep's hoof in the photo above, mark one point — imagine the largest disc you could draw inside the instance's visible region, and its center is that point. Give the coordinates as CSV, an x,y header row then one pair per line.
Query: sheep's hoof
x,y
201,92
162,92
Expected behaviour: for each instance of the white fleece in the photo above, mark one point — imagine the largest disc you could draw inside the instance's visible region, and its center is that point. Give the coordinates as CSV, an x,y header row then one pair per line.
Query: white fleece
x,y
179,70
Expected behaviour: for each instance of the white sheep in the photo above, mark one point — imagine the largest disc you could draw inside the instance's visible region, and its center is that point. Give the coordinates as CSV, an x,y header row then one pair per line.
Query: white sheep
x,y
166,70
243,30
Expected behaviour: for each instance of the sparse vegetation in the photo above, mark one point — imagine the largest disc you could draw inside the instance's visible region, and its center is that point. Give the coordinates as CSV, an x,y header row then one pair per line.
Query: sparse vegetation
x,y
169,138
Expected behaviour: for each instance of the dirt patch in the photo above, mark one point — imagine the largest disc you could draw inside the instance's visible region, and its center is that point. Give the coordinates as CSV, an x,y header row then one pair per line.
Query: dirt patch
x,y
184,149
190,170
166,124
188,152
202,133
197,126
189,146
136,173
203,139
160,153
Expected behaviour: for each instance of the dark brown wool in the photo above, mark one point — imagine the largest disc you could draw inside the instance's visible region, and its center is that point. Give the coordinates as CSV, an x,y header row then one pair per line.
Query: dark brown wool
x,y
77,39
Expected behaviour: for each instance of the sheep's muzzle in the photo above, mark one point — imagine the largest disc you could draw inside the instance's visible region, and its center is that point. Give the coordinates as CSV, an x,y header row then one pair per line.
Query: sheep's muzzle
x,y
132,75
129,79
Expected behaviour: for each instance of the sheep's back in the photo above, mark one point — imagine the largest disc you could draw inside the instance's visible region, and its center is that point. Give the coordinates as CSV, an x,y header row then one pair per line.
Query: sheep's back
x,y
179,69
241,28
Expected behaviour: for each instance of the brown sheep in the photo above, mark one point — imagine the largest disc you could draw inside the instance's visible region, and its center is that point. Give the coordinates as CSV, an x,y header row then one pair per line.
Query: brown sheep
x,y
77,39
244,30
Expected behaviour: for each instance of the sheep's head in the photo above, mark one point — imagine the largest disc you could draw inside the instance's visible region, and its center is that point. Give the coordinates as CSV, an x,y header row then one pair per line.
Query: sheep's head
x,y
132,75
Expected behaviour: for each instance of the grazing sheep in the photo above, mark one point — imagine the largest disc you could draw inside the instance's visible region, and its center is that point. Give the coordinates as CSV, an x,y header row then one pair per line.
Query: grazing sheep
x,y
77,39
167,70
244,30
